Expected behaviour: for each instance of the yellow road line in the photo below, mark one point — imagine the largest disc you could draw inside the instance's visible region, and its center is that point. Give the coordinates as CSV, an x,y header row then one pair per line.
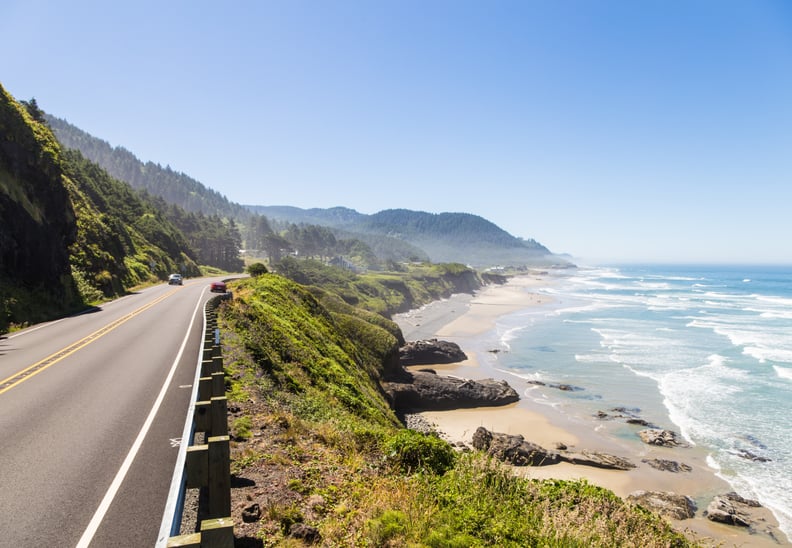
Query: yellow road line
x,y
21,376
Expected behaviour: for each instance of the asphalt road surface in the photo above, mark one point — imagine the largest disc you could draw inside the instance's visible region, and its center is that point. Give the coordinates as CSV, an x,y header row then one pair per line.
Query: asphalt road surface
x,y
92,408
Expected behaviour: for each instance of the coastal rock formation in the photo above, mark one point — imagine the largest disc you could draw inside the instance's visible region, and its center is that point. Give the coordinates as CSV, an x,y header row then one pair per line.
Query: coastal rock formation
x,y
731,509
597,460
663,438
665,465
670,505
427,391
629,415
431,351
563,387
749,455
512,449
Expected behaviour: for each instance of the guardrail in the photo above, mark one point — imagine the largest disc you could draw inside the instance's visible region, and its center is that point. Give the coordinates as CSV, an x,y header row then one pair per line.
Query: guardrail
x,y
204,460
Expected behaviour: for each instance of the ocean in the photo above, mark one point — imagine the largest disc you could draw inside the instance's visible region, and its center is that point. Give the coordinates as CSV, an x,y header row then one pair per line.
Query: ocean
x,y
703,350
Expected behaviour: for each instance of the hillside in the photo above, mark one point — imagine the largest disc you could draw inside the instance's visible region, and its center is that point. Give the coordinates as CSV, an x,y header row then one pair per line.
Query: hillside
x,y
318,454
70,234
174,187
37,220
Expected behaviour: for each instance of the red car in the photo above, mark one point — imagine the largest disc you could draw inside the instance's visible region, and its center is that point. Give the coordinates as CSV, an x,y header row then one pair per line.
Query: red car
x,y
217,287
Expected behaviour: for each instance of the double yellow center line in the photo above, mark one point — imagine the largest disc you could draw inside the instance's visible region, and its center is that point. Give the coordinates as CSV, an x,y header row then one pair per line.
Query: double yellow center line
x,y
21,376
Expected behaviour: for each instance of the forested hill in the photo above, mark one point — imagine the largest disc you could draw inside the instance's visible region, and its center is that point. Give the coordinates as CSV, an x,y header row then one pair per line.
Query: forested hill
x,y
70,234
444,237
174,187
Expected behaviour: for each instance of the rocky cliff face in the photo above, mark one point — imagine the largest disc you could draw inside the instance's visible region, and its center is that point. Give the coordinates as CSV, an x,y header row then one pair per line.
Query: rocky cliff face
x,y
37,222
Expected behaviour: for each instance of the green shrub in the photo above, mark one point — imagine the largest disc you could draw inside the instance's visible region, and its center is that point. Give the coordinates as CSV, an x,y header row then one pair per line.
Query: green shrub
x,y
412,451
257,269
388,526
241,428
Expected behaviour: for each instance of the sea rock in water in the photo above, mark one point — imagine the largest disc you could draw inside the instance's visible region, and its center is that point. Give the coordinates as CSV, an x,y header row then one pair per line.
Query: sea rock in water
x,y
749,455
424,391
663,438
670,505
512,449
731,509
597,460
667,465
431,351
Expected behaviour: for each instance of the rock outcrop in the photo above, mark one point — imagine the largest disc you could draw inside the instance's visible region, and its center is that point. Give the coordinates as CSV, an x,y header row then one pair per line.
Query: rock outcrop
x,y
662,438
670,505
597,460
666,465
513,449
430,352
427,391
731,509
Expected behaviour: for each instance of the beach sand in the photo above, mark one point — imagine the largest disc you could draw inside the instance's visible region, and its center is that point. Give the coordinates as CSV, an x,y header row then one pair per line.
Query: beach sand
x,y
462,317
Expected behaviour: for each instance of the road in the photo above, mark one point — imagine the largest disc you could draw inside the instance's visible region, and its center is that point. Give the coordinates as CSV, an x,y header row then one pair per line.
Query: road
x,y
86,456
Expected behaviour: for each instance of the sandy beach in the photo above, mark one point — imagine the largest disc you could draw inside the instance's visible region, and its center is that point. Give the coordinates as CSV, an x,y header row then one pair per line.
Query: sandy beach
x,y
463,317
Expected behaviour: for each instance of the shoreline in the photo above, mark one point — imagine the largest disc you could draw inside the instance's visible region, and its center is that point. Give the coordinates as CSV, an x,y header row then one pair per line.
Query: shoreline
x,y
463,318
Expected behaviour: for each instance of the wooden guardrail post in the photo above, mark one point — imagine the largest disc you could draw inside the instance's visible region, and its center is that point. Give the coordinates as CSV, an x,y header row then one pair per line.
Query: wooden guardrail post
x,y
217,533
219,477
219,412
218,384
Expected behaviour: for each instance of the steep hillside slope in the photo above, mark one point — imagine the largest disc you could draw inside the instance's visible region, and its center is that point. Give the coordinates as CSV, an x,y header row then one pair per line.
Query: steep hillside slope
x,y
122,240
37,221
71,234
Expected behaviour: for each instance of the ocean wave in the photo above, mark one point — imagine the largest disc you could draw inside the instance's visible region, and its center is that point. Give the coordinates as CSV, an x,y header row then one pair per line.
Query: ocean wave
x,y
592,358
783,372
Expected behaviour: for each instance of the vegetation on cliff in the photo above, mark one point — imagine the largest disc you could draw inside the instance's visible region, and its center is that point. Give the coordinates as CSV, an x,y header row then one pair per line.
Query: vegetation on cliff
x,y
318,453
388,292
37,222
72,235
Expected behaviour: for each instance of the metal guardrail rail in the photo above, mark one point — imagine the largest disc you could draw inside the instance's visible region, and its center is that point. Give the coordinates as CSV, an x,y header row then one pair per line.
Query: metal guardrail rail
x,y
204,464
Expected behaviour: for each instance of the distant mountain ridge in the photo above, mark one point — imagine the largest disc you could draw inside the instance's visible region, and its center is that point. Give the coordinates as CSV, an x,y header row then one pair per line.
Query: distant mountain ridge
x,y
445,237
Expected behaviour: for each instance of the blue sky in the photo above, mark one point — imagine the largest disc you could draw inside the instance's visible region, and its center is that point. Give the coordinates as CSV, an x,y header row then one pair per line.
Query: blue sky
x,y
611,130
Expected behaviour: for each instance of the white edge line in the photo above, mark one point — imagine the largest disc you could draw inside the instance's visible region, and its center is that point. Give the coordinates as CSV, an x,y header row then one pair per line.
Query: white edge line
x,y
178,471
101,511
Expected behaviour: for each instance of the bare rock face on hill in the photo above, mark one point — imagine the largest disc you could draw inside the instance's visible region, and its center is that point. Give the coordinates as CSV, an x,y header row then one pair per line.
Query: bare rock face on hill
x,y
430,352
427,391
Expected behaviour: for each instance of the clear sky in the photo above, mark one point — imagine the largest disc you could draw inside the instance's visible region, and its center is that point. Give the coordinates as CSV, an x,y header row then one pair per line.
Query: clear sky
x,y
610,130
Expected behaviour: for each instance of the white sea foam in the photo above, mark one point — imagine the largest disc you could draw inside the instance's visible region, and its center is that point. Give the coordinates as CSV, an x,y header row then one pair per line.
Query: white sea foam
x,y
783,372
591,358
719,356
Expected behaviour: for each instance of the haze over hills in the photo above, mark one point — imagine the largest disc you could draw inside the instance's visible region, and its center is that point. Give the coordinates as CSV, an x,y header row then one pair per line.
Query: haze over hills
x,y
398,234
444,237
